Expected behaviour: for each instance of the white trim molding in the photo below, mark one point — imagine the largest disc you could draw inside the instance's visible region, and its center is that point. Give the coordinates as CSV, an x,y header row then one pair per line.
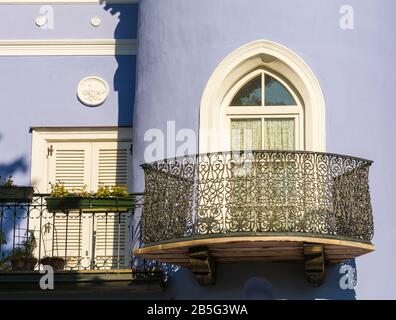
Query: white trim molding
x,y
41,137
68,1
68,47
276,59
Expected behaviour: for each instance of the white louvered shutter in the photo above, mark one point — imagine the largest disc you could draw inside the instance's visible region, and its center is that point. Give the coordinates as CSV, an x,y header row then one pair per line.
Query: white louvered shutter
x,y
113,165
70,164
100,240
113,230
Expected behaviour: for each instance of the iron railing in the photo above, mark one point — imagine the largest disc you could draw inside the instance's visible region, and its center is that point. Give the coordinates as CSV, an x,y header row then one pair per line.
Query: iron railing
x,y
84,239
257,193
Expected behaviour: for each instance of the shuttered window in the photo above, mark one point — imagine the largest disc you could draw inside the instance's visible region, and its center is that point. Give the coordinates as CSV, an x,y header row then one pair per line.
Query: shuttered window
x,y
100,240
113,165
111,240
67,238
69,167
113,230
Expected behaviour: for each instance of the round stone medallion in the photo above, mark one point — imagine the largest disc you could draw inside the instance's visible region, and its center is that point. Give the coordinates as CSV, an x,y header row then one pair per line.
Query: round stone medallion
x,y
96,21
92,91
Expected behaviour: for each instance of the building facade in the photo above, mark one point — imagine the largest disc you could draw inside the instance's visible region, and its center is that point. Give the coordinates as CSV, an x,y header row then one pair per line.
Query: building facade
x,y
91,90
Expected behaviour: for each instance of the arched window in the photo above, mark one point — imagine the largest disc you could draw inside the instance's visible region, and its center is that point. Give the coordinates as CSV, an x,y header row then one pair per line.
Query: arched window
x,y
262,96
262,112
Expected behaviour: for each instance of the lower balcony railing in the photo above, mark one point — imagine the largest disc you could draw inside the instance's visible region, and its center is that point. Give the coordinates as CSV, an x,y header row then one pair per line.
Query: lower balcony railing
x,y
83,241
234,203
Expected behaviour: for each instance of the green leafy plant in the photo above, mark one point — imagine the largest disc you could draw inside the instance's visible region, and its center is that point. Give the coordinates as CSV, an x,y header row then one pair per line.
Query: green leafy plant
x,y
26,248
103,191
119,191
83,192
58,190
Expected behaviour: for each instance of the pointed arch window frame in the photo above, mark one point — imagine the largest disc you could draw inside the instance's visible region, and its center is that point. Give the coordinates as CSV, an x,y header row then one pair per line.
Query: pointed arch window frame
x,y
256,54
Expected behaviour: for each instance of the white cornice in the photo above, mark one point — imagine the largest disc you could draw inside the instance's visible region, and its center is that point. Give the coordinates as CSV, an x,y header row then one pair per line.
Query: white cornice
x,y
67,1
69,47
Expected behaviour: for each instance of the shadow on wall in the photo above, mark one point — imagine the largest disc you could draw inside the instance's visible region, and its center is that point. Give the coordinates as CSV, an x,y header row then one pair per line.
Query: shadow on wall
x,y
264,281
124,77
11,168
19,165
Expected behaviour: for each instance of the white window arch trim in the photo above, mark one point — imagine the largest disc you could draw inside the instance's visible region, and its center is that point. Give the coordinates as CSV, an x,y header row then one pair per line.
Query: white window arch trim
x,y
271,56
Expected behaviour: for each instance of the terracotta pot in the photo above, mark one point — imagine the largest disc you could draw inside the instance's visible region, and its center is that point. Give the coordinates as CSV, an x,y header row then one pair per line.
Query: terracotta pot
x,y
56,263
23,264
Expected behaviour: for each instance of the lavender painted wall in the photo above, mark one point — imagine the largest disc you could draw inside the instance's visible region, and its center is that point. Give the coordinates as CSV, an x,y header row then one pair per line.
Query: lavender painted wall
x,y
182,42
41,90
71,21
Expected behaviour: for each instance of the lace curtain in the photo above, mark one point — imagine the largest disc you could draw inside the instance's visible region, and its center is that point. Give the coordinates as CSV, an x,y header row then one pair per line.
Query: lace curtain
x,y
246,134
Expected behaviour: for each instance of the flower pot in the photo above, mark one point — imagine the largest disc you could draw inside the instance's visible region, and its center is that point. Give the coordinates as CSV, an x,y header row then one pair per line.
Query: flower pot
x,y
16,194
57,263
23,264
90,204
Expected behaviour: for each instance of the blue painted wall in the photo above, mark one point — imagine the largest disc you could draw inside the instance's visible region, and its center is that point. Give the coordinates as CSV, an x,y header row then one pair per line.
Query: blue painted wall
x,y
182,42
71,21
41,90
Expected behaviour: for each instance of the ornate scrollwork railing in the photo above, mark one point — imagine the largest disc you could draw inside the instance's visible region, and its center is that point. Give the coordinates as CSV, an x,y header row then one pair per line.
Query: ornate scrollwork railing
x,y
68,234
258,192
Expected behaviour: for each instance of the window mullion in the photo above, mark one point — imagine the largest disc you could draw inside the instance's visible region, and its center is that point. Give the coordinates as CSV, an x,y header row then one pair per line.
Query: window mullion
x,y
262,132
262,89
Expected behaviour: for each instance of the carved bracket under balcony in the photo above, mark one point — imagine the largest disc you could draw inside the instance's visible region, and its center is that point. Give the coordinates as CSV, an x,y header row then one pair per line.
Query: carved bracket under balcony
x,y
202,265
314,264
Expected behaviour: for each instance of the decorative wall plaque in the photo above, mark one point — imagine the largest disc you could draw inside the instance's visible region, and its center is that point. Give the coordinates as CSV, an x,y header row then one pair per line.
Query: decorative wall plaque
x,y
92,91
40,21
96,21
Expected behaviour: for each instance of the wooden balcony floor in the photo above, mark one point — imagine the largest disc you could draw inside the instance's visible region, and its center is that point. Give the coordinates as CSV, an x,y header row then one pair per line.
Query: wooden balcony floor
x,y
255,248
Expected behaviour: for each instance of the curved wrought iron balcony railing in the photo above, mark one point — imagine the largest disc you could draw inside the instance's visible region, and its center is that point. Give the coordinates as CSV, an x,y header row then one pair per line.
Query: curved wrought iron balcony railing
x,y
258,192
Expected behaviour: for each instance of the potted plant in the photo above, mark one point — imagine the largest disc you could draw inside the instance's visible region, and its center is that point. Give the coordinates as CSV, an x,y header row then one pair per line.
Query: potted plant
x,y
22,257
57,263
106,199
12,193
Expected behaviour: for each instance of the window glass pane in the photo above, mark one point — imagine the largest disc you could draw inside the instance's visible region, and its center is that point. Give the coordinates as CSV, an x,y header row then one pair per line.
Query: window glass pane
x,y
246,134
276,94
249,94
279,134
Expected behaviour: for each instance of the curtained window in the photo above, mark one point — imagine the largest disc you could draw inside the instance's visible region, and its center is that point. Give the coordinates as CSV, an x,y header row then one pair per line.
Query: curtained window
x,y
265,114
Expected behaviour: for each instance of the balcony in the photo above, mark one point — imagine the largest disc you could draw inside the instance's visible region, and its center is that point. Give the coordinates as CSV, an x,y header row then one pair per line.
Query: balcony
x,y
230,207
89,248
